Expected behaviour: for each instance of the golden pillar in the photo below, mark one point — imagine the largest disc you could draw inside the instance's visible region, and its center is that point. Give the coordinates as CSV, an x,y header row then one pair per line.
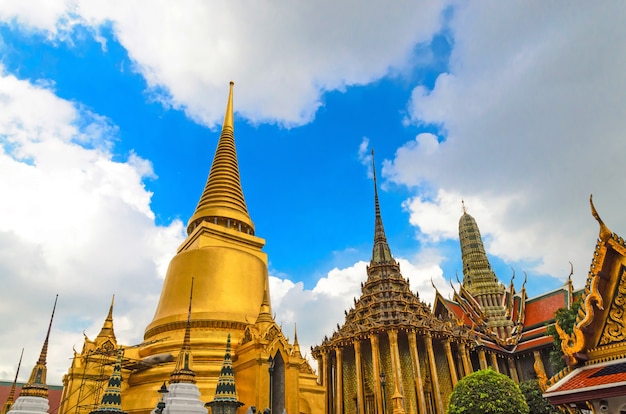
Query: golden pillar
x,y
377,369
339,382
467,366
482,359
513,370
398,396
417,373
453,376
494,362
325,369
360,395
433,373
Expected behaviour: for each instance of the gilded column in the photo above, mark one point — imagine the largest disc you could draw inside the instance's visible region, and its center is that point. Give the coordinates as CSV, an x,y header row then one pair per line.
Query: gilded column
x,y
325,370
467,367
494,362
513,370
377,369
395,358
433,374
320,370
482,359
446,346
398,394
339,382
417,373
360,399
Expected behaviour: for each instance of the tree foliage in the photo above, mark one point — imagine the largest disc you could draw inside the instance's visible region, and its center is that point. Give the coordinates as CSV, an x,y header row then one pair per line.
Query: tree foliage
x,y
536,403
487,392
566,319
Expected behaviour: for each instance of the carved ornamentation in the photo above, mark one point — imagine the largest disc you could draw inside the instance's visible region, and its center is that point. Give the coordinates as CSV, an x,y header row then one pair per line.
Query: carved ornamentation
x,y
615,327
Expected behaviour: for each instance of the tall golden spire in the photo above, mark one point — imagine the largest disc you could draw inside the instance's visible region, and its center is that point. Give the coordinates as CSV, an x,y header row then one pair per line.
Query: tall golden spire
x,y
381,252
11,397
183,372
36,385
222,200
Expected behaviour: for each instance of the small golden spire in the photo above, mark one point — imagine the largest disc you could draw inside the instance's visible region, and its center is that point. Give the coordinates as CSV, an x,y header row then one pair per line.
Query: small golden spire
x,y
11,397
183,372
265,313
107,328
296,345
463,206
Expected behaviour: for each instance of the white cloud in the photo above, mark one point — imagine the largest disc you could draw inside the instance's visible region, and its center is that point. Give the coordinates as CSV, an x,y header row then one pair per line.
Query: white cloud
x,y
284,55
65,205
532,121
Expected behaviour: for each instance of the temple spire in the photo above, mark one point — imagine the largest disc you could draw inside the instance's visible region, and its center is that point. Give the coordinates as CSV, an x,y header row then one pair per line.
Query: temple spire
x,y
225,392
36,385
222,200
381,252
107,327
478,277
11,397
183,372
112,399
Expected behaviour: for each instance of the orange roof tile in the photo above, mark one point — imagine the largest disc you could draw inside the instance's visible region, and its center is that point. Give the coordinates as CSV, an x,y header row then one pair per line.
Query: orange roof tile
x,y
541,309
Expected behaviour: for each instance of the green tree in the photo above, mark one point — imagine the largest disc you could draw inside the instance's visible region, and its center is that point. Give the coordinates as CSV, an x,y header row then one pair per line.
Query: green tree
x,y
487,392
536,403
566,319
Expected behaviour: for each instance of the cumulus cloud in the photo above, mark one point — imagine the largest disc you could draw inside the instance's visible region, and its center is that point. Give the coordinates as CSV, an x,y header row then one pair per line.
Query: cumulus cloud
x,y
285,55
66,202
530,118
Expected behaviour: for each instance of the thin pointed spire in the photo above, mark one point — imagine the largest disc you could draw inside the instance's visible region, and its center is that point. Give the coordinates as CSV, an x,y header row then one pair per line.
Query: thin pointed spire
x,y
296,345
183,372
36,385
265,313
222,200
112,399
381,252
107,326
11,397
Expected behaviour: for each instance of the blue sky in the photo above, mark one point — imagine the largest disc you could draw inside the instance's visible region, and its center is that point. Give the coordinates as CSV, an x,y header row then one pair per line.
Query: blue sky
x,y
110,113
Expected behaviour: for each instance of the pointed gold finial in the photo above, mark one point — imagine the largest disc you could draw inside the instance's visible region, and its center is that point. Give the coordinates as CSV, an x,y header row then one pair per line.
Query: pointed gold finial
x,y
11,398
107,328
229,116
463,206
222,202
605,233
265,313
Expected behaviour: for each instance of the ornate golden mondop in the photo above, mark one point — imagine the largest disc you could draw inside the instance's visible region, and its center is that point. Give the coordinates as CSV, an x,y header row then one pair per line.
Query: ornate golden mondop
x,y
224,258
392,355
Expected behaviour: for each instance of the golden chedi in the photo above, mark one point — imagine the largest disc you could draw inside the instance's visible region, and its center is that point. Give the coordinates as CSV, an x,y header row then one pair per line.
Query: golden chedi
x,y
231,297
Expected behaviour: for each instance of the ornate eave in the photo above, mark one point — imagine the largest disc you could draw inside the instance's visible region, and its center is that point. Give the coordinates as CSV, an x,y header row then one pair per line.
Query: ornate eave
x,y
599,331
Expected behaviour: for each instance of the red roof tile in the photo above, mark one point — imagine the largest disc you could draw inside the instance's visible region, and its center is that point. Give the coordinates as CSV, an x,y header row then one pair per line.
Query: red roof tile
x,y
541,310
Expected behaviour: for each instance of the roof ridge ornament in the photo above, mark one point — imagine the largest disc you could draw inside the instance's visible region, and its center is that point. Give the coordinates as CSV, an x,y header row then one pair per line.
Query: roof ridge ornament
x,y
605,233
